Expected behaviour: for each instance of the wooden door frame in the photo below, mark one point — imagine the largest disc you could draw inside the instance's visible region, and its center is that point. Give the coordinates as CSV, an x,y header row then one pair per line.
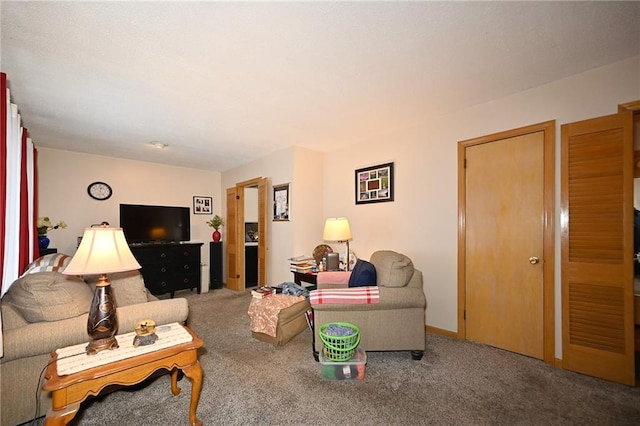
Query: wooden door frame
x,y
549,130
262,230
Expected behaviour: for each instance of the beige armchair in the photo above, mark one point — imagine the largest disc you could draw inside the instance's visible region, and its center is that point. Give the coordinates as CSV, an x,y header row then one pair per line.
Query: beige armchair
x,y
396,323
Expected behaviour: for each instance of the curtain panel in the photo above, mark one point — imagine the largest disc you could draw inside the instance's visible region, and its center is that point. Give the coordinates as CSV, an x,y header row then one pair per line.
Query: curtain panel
x,y
18,202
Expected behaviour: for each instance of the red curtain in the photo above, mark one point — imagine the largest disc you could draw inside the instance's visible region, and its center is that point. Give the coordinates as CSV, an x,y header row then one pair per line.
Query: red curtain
x,y
18,201
24,237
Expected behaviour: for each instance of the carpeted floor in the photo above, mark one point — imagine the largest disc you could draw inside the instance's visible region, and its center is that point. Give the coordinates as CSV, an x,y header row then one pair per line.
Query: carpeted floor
x,y
249,382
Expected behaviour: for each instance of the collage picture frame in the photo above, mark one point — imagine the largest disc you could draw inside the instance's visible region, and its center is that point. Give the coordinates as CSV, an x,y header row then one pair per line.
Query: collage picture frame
x,y
202,205
374,184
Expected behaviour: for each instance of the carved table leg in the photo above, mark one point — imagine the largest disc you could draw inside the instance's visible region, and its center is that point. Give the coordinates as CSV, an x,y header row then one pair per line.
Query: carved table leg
x,y
62,416
175,390
194,373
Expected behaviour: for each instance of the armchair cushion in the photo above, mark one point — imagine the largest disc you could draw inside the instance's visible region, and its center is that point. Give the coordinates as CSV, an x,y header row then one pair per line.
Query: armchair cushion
x,y
363,274
128,287
393,269
49,296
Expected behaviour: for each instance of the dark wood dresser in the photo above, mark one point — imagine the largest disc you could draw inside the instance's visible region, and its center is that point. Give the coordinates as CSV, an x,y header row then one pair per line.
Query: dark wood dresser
x,y
167,268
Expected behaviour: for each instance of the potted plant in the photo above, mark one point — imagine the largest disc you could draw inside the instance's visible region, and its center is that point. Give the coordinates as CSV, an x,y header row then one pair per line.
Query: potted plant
x,y
216,222
44,225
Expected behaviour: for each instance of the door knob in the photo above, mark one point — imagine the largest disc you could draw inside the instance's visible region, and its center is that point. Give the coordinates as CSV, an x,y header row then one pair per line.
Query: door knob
x,y
533,260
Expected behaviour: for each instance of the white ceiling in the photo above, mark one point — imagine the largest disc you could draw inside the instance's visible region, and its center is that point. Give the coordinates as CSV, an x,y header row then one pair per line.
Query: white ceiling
x,y
224,83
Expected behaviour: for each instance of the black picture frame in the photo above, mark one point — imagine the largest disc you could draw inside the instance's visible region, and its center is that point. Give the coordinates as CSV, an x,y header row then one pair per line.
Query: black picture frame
x,y
202,205
281,202
374,184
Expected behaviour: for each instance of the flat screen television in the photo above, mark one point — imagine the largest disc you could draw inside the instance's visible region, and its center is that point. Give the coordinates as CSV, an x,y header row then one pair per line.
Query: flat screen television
x,y
155,224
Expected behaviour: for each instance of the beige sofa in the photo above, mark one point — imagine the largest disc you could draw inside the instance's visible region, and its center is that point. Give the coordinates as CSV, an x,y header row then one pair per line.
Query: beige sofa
x,y
396,323
44,311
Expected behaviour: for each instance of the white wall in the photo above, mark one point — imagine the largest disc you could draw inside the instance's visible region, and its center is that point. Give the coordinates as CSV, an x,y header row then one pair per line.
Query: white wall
x,y
278,169
303,169
307,212
251,204
64,177
422,221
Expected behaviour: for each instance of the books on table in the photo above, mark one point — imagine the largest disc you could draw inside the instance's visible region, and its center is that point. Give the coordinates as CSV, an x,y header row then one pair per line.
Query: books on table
x,y
303,264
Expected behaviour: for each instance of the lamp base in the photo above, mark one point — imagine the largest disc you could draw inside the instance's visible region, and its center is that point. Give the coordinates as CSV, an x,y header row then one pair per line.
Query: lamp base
x,y
98,345
348,257
102,323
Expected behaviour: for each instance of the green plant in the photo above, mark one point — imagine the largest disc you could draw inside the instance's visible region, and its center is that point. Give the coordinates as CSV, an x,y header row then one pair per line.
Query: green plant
x,y
216,222
44,225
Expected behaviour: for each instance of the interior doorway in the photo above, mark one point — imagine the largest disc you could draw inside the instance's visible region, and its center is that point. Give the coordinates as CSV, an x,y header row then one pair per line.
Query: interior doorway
x,y
506,256
236,234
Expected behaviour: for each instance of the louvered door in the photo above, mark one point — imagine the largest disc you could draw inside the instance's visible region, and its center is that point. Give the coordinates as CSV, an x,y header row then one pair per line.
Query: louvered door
x,y
597,247
263,220
233,268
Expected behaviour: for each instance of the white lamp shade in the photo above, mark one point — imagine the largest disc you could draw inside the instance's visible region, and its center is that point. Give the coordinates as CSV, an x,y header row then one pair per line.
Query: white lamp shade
x,y
337,229
103,250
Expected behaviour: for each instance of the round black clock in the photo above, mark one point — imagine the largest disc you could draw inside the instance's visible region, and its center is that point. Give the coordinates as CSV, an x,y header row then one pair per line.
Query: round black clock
x,y
99,191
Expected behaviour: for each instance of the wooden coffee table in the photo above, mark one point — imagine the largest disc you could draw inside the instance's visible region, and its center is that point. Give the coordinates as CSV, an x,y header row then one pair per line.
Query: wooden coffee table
x,y
68,391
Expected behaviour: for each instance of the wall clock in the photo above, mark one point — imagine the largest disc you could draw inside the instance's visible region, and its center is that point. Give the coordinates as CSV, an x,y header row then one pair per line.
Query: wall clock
x,y
99,191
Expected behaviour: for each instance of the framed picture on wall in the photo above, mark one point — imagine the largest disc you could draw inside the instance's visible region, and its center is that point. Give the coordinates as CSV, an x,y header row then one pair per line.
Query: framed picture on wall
x,y
281,202
374,184
202,205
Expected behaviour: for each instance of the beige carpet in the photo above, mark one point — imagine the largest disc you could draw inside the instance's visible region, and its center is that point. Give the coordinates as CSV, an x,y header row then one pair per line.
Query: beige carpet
x,y
248,382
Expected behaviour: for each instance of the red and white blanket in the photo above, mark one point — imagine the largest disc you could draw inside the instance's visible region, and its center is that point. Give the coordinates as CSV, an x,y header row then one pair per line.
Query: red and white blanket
x,y
352,295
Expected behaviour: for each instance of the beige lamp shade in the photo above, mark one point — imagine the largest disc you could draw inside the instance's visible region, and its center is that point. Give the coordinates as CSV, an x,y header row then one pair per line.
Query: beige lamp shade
x,y
337,229
103,250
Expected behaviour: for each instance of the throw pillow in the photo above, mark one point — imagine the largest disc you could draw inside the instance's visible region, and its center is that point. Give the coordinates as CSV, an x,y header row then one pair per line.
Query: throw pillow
x,y
128,287
394,269
50,296
54,262
363,274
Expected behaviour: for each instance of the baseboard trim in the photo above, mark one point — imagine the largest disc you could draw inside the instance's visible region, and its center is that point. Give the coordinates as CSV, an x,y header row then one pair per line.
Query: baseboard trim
x,y
441,332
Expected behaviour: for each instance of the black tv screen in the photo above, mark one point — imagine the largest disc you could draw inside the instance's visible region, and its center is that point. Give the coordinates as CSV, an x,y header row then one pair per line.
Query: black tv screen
x,y
155,224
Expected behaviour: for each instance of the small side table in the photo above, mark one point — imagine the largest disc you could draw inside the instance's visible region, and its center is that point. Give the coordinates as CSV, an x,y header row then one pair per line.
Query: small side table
x,y
48,251
299,277
69,391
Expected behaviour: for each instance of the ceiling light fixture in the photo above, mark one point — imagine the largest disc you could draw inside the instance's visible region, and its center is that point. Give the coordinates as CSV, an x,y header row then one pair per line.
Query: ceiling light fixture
x,y
159,145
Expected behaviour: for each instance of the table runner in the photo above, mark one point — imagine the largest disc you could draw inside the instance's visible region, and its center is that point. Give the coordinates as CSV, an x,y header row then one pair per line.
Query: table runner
x,y
74,359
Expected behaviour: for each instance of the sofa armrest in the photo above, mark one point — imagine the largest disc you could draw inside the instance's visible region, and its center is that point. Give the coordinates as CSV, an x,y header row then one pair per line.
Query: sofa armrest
x,y
330,286
390,298
45,337
161,311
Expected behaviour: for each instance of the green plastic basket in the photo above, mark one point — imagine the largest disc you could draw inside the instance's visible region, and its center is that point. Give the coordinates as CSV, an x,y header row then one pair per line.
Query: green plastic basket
x,y
339,348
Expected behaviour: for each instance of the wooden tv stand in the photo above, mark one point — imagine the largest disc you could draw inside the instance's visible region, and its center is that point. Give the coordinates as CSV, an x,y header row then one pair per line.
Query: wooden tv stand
x,y
169,267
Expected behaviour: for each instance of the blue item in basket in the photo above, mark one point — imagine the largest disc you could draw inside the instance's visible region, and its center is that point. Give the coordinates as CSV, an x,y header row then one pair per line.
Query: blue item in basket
x,y
338,330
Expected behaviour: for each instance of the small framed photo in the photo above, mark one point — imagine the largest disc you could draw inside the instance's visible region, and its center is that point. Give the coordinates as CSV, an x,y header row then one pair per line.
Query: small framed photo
x,y
281,202
202,205
374,184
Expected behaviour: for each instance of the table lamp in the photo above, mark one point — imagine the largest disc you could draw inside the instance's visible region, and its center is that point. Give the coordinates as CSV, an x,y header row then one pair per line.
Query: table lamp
x,y
103,250
337,229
